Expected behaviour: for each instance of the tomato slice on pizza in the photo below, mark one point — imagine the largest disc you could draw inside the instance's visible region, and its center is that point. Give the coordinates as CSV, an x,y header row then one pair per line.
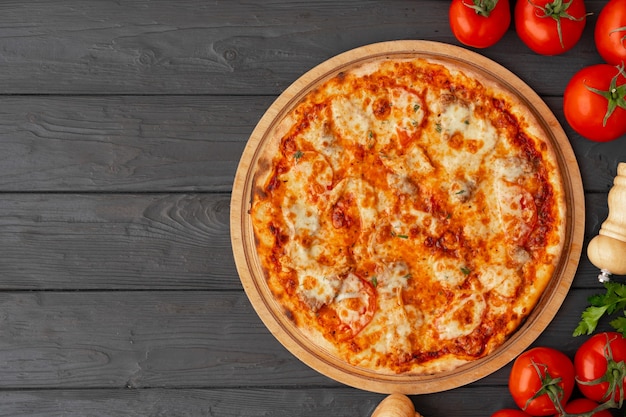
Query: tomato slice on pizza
x,y
351,310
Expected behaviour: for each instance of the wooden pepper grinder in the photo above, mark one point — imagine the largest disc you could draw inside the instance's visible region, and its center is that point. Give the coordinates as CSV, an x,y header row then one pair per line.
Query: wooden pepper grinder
x,y
607,251
396,405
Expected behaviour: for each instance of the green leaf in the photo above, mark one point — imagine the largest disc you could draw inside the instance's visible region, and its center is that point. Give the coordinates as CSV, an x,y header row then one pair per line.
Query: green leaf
x,y
617,288
616,296
374,281
589,320
597,300
619,324
394,234
614,299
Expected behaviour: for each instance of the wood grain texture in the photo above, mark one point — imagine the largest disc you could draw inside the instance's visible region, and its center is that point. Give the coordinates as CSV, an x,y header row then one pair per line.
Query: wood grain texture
x,y
251,402
169,339
122,241
224,47
301,402
100,144
139,340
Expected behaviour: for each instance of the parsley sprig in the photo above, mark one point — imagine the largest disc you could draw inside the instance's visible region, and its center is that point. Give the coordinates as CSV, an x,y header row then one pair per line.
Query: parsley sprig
x,y
604,304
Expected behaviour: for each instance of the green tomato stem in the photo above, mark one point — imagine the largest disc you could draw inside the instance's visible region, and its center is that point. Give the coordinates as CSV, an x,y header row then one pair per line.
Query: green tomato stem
x,y
482,7
557,10
549,386
615,95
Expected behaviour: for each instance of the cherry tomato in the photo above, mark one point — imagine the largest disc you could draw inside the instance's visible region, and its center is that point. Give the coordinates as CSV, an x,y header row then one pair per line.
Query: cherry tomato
x,y
479,23
540,377
584,405
602,356
550,27
594,102
510,412
610,32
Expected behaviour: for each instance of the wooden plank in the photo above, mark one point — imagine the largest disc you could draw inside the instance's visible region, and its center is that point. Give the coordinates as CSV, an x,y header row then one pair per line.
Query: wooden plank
x,y
141,339
189,402
124,143
162,144
150,339
93,241
309,402
195,47
136,241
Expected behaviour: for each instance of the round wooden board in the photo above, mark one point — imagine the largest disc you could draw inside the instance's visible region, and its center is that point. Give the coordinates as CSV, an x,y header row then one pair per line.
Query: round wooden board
x,y
252,277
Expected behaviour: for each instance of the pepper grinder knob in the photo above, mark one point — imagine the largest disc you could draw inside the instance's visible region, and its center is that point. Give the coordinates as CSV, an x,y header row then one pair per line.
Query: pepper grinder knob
x,y
607,251
396,405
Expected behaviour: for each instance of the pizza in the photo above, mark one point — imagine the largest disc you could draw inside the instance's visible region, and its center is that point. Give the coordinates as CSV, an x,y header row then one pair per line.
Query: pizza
x,y
408,213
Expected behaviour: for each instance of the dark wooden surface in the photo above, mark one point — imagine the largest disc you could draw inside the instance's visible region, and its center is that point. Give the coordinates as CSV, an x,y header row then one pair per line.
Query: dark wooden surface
x,y
121,126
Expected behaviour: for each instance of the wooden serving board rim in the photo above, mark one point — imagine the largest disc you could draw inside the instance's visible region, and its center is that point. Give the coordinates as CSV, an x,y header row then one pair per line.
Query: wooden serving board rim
x,y
270,312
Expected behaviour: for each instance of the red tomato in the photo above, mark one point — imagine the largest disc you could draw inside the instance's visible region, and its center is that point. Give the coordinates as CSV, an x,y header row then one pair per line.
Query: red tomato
x,y
610,32
510,412
584,405
540,377
602,356
479,23
589,112
550,27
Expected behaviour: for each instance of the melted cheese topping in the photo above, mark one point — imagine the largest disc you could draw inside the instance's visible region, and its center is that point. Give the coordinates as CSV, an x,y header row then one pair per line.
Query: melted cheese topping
x,y
410,220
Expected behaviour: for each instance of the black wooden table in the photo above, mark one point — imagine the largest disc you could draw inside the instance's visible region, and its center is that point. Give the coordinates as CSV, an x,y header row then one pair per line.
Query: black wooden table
x,y
121,126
